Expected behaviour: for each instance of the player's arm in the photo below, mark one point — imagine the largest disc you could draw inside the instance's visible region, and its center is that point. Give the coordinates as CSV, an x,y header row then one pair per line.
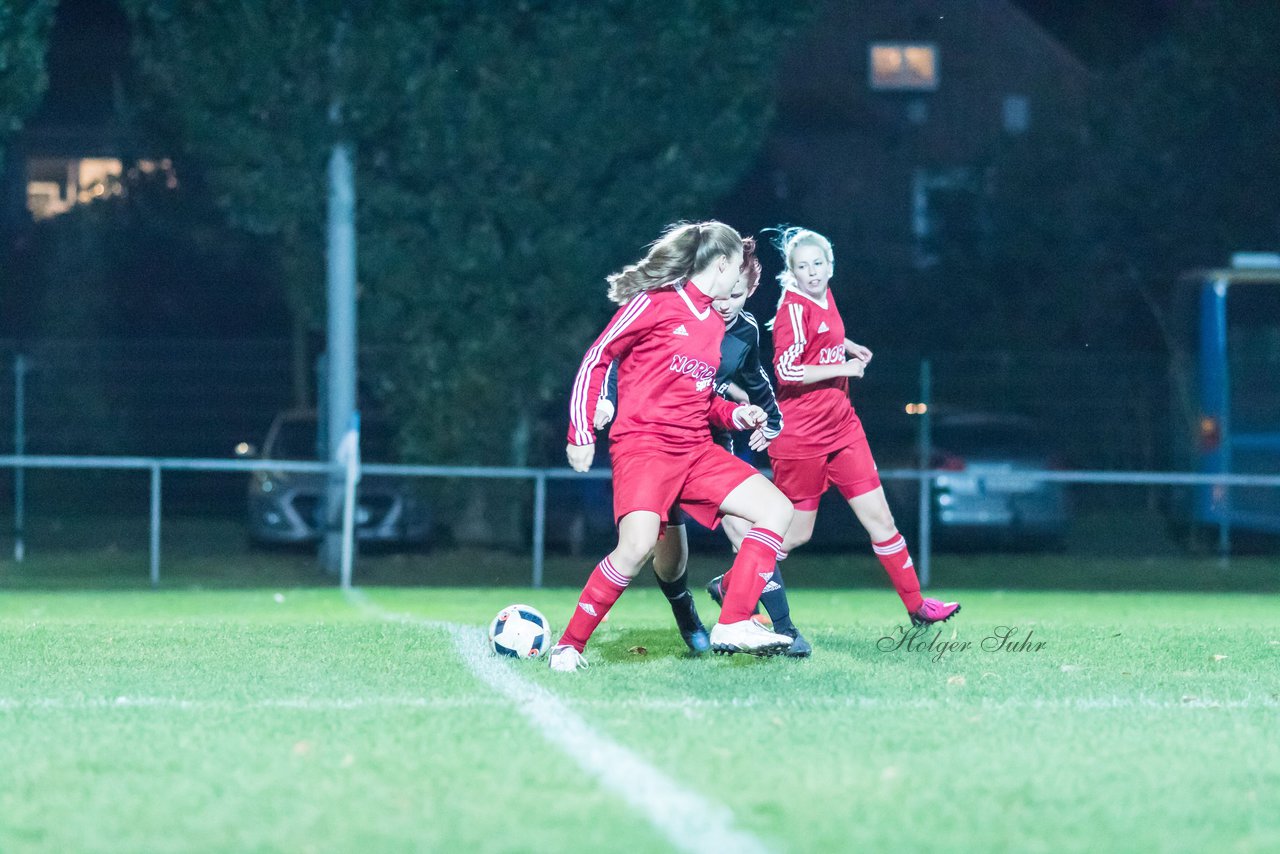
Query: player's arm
x,y
791,348
818,373
857,351
735,416
607,405
733,391
618,337
760,392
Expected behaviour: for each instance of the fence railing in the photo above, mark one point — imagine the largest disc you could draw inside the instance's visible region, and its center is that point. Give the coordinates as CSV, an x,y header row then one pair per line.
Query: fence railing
x,y
156,466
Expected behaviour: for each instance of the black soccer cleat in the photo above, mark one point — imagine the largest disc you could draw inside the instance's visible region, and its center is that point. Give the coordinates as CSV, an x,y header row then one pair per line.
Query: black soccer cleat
x,y
717,593
800,648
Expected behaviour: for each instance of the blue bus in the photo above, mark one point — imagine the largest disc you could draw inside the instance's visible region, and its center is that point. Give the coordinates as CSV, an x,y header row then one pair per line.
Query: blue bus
x,y
1227,387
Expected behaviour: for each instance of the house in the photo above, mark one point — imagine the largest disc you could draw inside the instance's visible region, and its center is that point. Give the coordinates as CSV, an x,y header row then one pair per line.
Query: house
x,y
887,110
74,149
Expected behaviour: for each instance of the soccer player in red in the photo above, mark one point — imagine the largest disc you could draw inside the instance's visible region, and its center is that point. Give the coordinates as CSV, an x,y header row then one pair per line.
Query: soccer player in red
x,y
824,443
666,340
740,377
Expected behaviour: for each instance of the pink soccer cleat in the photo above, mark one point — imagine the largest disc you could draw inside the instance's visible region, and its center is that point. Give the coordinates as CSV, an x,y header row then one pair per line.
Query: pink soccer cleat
x,y
932,611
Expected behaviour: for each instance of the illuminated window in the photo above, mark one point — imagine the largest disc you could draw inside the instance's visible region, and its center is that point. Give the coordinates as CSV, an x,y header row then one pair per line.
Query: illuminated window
x,y
903,66
56,184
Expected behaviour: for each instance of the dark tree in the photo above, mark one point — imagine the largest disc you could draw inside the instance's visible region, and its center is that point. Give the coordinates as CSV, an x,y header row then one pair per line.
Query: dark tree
x,y
24,38
508,156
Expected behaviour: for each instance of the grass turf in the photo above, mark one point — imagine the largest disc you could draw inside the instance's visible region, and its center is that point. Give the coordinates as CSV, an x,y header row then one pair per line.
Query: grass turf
x,y
228,720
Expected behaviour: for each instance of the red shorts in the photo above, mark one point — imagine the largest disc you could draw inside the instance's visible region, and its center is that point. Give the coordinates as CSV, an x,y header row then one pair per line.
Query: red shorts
x,y
698,481
851,470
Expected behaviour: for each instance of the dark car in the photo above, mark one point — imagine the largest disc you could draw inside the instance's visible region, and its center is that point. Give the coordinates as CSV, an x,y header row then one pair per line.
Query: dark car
x,y
288,507
988,495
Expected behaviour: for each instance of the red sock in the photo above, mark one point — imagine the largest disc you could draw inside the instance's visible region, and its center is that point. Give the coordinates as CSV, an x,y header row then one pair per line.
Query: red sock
x,y
754,564
896,561
603,589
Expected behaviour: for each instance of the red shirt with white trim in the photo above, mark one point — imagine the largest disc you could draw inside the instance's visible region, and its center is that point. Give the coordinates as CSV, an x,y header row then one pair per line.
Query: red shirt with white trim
x,y
667,345
819,417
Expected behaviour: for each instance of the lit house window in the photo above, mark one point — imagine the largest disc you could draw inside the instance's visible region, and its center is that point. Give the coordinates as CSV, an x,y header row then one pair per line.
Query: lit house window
x,y
903,66
57,184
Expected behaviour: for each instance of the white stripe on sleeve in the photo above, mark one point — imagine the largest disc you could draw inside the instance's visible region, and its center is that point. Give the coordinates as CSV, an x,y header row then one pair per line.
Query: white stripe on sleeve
x,y
579,418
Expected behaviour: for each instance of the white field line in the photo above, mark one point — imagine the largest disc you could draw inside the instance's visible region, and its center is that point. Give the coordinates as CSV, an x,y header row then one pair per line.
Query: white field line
x,y
689,821
330,704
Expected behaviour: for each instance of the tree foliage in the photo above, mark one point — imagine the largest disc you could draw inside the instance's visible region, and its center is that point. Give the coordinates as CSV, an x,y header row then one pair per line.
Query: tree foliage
x,y
24,38
508,156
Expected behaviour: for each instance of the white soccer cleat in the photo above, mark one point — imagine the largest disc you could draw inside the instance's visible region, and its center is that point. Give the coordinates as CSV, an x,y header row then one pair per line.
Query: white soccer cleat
x,y
566,659
747,636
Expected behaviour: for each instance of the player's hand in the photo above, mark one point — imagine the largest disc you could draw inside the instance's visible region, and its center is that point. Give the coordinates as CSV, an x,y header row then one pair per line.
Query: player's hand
x,y
759,441
857,351
855,368
749,416
580,456
604,413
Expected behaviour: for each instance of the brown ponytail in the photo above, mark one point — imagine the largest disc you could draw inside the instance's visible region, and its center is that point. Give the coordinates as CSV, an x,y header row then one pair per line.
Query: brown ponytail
x,y
682,250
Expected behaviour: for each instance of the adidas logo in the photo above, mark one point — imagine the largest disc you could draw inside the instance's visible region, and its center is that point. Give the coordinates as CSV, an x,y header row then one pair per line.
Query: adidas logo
x,y
822,327
680,330
771,586
766,575
588,607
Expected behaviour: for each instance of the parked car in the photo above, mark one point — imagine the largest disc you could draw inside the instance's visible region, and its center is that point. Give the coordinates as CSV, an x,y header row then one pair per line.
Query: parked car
x,y
988,495
288,507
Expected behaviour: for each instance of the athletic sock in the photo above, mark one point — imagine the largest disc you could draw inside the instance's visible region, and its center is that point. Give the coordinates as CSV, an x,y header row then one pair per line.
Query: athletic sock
x,y
774,600
896,561
751,570
677,593
603,589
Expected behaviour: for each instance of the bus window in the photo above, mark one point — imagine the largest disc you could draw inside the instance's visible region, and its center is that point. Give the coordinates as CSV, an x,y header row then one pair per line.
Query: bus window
x,y
1253,357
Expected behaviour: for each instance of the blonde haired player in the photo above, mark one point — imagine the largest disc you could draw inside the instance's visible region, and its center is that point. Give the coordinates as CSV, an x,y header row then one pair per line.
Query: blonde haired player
x,y
824,443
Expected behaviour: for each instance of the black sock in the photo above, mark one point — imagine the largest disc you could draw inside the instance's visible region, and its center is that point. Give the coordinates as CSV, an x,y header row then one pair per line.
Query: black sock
x,y
774,600
677,593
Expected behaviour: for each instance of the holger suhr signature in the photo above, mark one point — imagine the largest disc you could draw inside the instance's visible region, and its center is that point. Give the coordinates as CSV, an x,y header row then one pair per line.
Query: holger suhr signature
x,y
928,640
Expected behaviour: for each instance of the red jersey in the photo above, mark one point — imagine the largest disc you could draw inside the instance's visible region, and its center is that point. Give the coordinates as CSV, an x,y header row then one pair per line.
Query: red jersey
x,y
667,345
819,417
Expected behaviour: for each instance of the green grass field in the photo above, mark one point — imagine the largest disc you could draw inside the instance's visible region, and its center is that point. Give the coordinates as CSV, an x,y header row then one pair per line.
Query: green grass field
x,y
296,719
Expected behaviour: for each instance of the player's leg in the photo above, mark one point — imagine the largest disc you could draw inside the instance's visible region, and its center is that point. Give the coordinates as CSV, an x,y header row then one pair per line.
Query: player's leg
x,y
774,596
802,482
769,512
637,535
735,529
719,484
670,565
853,472
801,530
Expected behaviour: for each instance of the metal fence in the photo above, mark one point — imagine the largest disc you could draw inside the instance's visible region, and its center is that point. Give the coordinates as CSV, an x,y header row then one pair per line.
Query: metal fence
x,y
157,466
197,399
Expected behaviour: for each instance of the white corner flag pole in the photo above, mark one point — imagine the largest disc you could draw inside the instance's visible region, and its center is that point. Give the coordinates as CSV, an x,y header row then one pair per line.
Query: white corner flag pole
x,y
349,454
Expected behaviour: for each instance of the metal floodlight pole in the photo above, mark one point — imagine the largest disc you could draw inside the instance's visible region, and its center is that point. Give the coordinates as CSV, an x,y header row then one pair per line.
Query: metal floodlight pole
x,y
341,350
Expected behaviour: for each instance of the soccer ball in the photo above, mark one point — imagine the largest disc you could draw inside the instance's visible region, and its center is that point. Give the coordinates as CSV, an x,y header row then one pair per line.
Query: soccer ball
x,y
520,631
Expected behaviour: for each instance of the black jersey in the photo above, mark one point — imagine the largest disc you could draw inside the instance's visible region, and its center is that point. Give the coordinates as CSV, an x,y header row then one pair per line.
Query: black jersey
x,y
740,364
